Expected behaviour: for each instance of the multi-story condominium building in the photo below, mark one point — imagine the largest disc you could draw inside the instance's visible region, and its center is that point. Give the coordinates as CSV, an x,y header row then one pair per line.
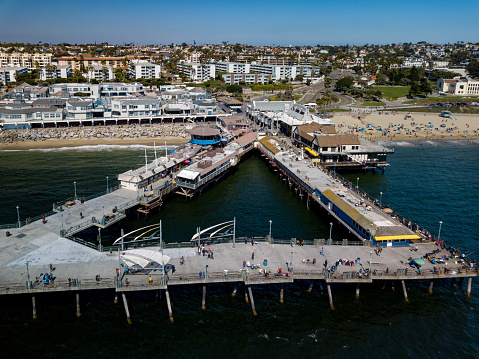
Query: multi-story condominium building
x,y
11,117
197,72
412,62
236,79
30,61
279,72
233,67
112,89
55,72
135,107
79,110
101,73
461,87
67,90
8,74
77,62
145,70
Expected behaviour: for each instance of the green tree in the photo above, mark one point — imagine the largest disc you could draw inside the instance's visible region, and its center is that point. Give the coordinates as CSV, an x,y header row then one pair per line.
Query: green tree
x,y
415,89
425,86
234,89
473,69
344,83
327,81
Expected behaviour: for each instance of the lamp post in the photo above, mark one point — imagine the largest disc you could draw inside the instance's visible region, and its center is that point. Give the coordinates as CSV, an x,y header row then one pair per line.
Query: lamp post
x,y
438,236
75,186
330,233
103,215
107,190
380,199
270,222
18,217
99,238
357,184
291,263
369,272
28,277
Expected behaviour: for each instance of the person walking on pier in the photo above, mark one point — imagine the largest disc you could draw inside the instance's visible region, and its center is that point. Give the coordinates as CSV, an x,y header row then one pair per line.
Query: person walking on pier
x,y
150,280
252,256
322,251
81,215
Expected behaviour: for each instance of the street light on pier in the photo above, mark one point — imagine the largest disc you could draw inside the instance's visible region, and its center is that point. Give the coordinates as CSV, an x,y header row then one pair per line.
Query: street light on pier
x,y
107,190
291,263
18,217
330,233
270,222
75,186
380,199
357,183
99,238
370,254
28,277
438,236
103,215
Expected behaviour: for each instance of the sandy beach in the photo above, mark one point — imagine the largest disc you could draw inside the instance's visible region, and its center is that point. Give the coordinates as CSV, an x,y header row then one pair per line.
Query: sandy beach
x,y
398,127
61,143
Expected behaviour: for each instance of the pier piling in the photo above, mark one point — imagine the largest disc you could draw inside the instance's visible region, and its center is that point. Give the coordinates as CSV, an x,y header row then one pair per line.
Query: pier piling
x,y
430,287
234,291
252,300
127,311
469,286
78,304
168,302
203,301
281,293
116,298
330,297
357,290
405,291
321,288
392,286
246,295
310,289
34,305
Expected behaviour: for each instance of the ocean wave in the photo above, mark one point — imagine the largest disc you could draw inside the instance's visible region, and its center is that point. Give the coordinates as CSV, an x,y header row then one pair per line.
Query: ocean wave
x,y
98,148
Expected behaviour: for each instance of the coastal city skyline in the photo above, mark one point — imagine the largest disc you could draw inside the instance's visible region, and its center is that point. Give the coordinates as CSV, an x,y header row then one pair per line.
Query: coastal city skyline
x,y
266,23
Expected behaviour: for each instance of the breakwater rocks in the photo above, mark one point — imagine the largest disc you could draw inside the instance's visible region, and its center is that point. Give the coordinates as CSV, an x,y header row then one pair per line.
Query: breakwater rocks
x,y
77,133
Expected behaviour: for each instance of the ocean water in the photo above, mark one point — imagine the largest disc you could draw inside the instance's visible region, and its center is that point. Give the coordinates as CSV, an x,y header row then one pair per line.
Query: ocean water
x,y
426,182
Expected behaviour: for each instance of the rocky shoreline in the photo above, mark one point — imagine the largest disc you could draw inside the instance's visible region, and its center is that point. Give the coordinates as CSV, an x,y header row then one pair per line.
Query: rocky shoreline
x,y
100,132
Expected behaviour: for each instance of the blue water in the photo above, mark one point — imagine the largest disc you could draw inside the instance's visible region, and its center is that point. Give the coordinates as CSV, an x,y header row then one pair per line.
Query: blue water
x,y
425,184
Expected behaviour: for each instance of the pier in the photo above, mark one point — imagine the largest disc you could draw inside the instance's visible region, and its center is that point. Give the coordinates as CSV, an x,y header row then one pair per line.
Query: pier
x,y
36,248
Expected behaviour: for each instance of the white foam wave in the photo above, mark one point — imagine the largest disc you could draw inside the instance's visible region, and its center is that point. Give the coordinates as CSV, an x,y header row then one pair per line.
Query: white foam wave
x,y
98,148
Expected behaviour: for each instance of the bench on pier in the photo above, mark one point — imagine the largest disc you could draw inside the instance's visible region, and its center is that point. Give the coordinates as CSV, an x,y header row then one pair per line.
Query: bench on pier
x,y
376,262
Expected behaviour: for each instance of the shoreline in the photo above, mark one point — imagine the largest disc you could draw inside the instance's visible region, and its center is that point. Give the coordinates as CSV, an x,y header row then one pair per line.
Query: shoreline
x,y
73,143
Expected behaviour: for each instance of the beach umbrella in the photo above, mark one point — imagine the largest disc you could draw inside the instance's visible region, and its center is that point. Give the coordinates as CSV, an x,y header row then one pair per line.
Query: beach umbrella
x,y
419,261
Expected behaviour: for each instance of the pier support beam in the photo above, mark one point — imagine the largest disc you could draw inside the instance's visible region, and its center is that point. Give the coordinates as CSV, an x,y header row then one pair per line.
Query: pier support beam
x,y
234,291
170,311
469,286
116,298
246,299
252,300
430,287
357,290
392,286
34,306
310,289
78,304
281,293
404,291
127,311
203,300
321,288
330,297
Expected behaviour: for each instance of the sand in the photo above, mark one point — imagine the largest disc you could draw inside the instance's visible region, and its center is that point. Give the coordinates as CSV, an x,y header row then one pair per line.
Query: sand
x,y
61,143
465,127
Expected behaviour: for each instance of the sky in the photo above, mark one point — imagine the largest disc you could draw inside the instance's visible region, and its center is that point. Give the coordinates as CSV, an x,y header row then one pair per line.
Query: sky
x,y
267,22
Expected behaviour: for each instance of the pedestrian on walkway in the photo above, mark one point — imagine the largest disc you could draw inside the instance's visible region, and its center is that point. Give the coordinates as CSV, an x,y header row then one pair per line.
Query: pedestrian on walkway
x,y
43,219
322,251
150,280
252,256
81,215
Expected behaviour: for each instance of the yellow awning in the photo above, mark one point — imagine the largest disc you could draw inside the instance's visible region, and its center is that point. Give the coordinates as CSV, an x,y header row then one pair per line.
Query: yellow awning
x,y
390,238
314,153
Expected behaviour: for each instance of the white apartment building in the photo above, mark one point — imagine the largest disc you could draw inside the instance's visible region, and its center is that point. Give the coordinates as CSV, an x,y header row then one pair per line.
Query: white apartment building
x,y
112,89
412,62
57,72
8,73
135,107
100,73
79,110
77,62
197,71
233,67
72,88
460,87
248,79
21,117
145,70
30,61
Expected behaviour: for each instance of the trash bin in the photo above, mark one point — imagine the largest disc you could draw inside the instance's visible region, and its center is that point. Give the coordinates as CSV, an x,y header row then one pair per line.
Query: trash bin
x,y
265,262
